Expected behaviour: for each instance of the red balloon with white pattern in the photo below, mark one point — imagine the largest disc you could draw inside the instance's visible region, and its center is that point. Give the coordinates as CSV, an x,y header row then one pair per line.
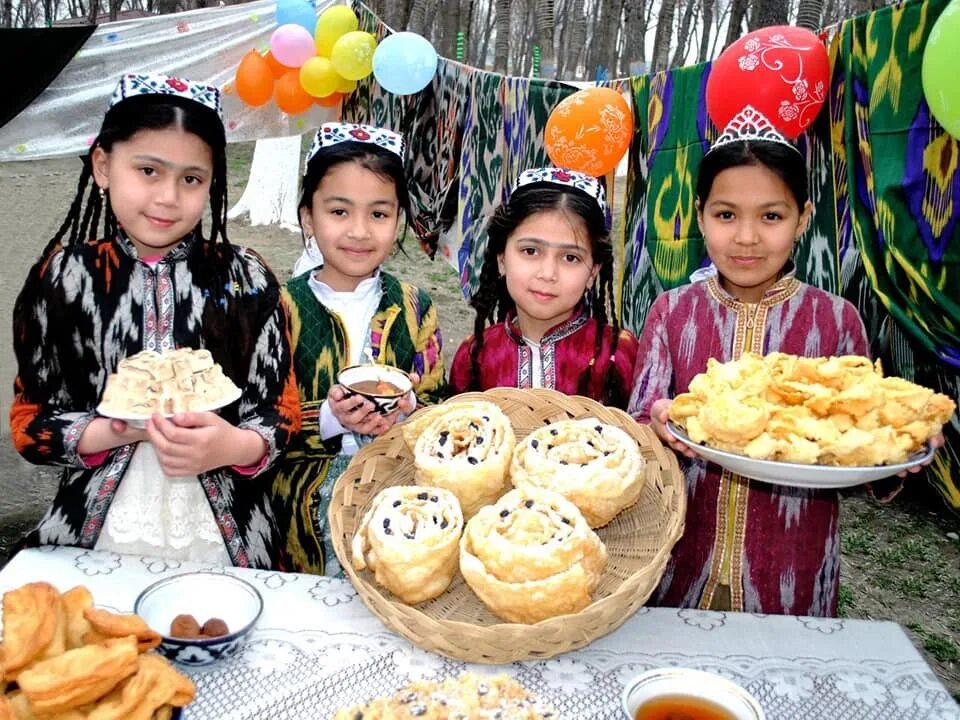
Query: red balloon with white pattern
x,y
782,71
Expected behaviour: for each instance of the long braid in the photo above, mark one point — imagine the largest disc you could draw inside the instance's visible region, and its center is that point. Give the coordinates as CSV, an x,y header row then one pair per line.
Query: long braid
x,y
490,302
613,393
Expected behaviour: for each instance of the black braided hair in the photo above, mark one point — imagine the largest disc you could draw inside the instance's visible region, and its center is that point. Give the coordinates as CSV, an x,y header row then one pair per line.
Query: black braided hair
x,y
381,162
121,123
492,302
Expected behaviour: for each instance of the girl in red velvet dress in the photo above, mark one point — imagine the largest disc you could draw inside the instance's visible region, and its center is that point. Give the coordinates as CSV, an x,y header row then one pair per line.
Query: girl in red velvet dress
x,y
545,309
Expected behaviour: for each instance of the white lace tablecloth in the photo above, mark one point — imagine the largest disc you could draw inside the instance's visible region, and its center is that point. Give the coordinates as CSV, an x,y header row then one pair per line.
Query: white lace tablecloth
x,y
317,648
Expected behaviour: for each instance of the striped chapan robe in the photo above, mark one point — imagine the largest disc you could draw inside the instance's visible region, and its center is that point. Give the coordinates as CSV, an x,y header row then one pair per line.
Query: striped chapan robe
x,y
87,306
403,333
747,545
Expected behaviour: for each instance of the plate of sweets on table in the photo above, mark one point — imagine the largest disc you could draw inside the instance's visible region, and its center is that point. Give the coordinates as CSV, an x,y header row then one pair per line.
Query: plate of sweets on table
x,y
509,524
168,382
826,422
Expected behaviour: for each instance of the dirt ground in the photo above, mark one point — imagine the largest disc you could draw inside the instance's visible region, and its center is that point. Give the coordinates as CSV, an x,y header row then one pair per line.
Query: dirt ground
x,y
900,562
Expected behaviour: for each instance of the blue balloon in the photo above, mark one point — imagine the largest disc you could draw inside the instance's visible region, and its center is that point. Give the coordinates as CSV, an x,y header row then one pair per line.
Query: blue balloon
x,y
297,12
404,63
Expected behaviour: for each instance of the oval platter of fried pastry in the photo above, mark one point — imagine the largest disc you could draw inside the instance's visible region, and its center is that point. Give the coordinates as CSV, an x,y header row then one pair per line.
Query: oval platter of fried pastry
x,y
791,474
816,422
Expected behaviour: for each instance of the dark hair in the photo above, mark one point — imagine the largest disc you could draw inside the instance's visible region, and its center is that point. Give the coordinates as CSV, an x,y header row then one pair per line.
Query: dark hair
x,y
492,302
380,161
160,112
782,160
122,122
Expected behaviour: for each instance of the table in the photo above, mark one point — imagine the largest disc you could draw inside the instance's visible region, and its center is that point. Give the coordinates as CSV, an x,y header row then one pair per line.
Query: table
x,y
317,647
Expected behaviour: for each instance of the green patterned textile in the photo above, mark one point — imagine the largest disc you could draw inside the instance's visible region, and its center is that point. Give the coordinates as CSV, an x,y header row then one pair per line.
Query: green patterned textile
x,y
884,183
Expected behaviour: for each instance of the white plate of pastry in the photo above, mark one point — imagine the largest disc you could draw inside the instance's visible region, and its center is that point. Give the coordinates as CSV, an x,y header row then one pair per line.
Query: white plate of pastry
x,y
777,472
180,380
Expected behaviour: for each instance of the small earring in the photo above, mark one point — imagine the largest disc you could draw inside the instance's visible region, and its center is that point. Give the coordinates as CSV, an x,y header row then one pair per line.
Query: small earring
x,y
103,193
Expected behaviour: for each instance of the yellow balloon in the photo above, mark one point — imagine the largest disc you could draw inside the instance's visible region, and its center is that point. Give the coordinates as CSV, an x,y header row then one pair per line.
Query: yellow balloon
x,y
346,86
352,55
318,77
333,23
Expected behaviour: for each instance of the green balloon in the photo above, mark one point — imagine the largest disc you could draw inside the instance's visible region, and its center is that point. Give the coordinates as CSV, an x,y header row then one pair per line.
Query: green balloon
x,y
941,57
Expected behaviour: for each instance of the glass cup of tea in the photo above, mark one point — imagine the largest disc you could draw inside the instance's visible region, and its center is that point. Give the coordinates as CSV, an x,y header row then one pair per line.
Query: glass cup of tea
x,y
667,693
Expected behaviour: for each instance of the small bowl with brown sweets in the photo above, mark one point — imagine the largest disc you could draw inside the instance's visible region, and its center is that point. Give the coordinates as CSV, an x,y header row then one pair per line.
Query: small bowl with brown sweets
x,y
383,385
202,616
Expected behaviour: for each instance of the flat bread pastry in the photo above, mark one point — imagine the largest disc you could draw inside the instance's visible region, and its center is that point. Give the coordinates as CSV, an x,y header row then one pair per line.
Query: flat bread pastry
x,y
464,447
409,539
180,380
531,556
595,466
468,696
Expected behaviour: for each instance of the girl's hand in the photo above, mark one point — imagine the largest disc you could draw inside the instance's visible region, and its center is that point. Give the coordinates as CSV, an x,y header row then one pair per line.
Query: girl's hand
x,y
196,442
659,415
357,414
936,441
105,434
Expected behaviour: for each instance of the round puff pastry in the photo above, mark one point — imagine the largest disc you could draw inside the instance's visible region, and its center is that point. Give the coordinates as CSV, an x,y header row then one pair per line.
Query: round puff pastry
x,y
531,556
597,467
464,447
409,539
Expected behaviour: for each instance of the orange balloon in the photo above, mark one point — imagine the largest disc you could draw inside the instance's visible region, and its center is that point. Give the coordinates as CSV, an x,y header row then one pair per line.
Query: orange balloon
x,y
276,67
589,131
331,100
289,95
254,80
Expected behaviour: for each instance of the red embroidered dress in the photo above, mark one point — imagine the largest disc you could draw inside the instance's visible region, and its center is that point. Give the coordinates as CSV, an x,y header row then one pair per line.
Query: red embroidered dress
x,y
506,360
747,545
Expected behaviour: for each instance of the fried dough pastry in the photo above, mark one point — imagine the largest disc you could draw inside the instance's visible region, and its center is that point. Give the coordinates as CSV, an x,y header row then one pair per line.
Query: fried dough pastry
x,y
75,602
409,539
78,675
597,467
531,556
31,617
464,447
105,625
826,411
468,696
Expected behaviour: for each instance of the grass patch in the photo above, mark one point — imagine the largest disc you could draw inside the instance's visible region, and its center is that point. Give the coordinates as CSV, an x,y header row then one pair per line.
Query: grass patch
x,y
941,647
857,540
845,601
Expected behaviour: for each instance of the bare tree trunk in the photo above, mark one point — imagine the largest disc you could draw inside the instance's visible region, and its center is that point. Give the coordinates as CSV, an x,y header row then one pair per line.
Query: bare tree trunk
x,y
115,10
418,17
735,28
809,14
661,42
545,38
574,45
683,35
7,19
634,28
768,12
94,12
707,16
484,36
501,47
450,20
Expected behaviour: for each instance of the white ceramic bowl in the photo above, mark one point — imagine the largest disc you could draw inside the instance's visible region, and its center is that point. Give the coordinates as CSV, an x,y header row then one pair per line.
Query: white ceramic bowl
x,y
385,403
204,595
683,682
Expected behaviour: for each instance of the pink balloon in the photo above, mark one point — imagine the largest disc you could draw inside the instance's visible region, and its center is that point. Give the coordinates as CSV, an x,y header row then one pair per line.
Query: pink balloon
x,y
292,45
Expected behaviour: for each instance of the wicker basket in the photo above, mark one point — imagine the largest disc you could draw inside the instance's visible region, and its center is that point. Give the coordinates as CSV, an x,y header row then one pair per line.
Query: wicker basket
x,y
457,624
